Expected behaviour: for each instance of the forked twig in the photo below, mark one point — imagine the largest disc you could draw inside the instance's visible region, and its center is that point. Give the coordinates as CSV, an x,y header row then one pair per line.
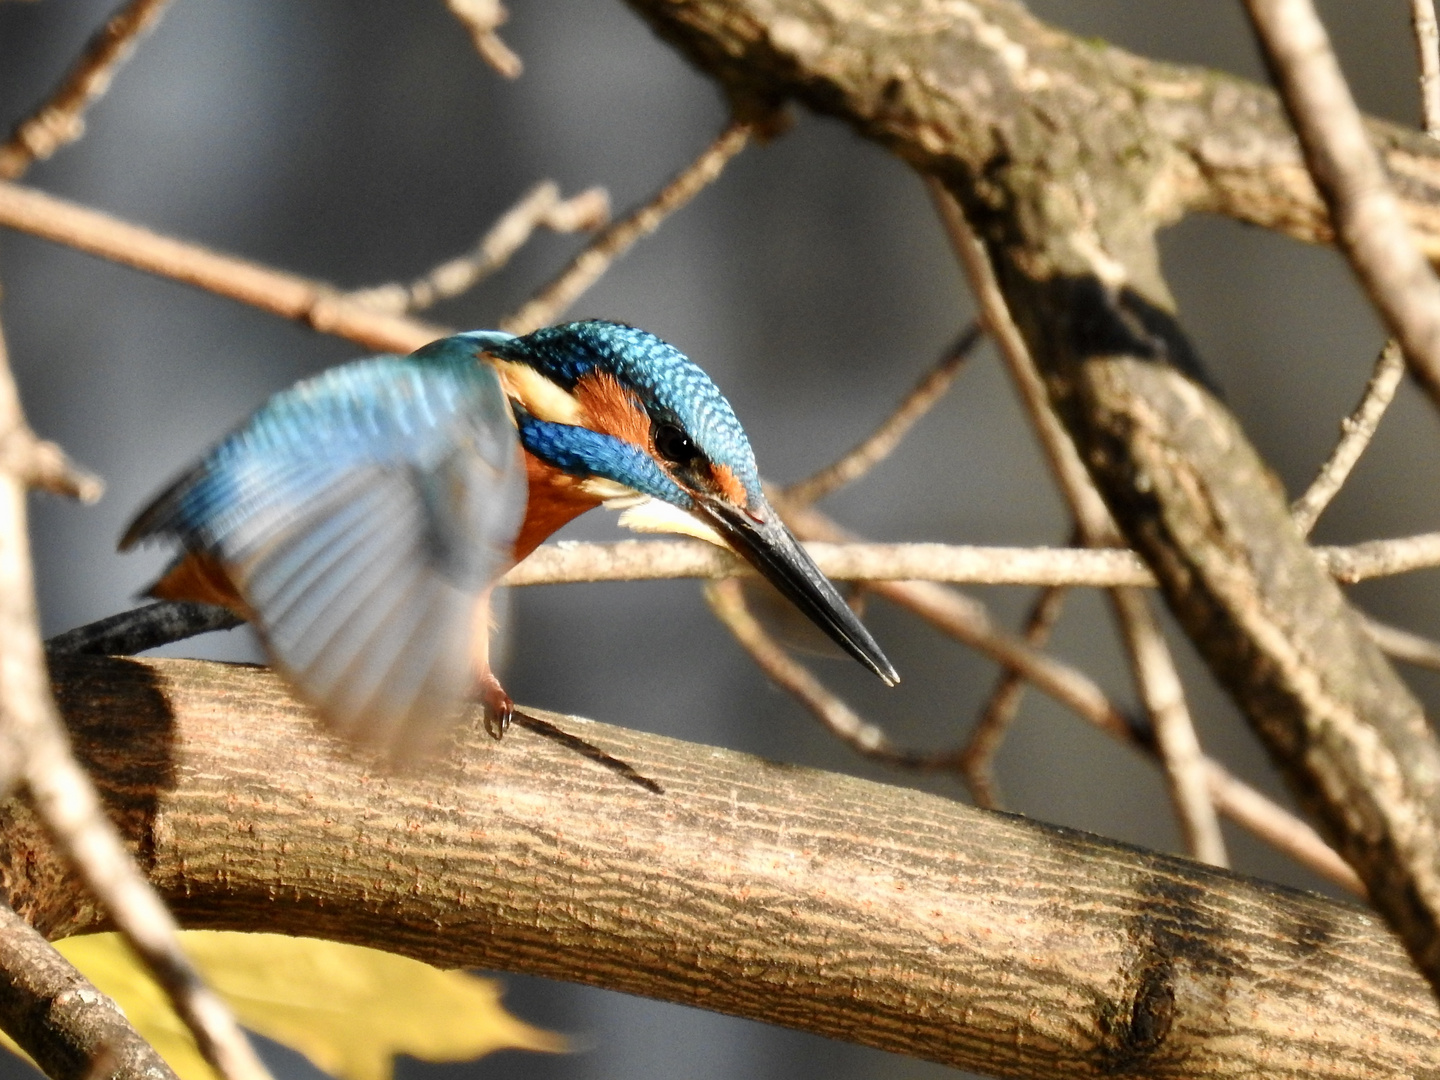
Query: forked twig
x,y
727,601
61,119
881,442
1356,431
540,206
977,756
588,266
1156,677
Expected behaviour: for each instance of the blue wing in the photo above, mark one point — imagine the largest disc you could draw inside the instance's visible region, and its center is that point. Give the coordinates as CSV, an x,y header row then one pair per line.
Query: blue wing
x,y
363,516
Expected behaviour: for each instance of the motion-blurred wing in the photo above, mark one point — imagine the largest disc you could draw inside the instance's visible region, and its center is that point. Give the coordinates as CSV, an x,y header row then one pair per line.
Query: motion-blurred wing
x,y
363,516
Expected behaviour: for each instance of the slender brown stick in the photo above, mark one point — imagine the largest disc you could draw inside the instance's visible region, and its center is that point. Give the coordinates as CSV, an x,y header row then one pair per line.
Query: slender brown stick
x,y
67,802
57,1016
482,18
1404,645
727,601
588,266
570,562
1369,225
1427,52
977,756
1279,828
1156,677
880,443
1356,431
61,119
541,205
290,296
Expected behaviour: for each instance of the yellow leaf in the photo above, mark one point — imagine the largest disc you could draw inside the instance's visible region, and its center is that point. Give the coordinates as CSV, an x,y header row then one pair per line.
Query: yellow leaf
x,y
349,1010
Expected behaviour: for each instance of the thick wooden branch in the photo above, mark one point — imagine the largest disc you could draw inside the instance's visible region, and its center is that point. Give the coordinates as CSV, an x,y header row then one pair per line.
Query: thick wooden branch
x,y
1067,156
865,912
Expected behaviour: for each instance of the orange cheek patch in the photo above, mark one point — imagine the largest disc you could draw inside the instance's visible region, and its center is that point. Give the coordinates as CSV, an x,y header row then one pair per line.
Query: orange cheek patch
x,y
613,410
729,485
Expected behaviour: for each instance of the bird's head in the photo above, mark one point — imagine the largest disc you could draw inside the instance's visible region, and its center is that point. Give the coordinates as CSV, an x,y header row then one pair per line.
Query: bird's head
x,y
628,418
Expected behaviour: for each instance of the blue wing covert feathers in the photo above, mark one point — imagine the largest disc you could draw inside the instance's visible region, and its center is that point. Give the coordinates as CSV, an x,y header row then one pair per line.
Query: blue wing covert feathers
x,y
363,515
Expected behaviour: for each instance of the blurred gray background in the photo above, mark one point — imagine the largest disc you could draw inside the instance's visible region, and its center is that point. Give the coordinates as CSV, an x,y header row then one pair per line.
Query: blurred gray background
x,y
363,141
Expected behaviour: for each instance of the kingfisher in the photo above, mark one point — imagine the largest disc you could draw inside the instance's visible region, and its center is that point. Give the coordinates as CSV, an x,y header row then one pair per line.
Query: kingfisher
x,y
361,519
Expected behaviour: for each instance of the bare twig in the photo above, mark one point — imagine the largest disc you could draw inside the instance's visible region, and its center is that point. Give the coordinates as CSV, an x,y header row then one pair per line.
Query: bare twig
x,y
67,802
1369,225
1404,645
588,266
61,119
977,757
143,628
1279,828
320,306
1156,677
482,18
541,205
727,601
60,1019
885,438
569,562
1427,52
1356,431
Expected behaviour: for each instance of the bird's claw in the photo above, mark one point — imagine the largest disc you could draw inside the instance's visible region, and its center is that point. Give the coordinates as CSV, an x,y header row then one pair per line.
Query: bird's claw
x,y
496,706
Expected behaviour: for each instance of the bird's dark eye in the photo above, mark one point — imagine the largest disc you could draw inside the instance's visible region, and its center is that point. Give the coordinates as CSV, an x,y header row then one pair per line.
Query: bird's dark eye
x,y
674,445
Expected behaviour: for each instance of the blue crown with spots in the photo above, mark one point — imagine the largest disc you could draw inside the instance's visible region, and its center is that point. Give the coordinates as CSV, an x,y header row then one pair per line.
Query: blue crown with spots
x,y
670,386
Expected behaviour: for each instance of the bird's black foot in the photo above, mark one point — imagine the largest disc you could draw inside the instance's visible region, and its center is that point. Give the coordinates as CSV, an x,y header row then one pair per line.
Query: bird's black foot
x,y
496,705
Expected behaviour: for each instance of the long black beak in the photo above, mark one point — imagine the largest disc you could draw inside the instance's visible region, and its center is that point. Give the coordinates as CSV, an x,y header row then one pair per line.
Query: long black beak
x,y
766,544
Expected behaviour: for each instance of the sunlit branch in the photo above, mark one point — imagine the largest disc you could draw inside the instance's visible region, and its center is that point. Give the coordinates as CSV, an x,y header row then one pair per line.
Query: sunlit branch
x,y
1356,431
540,206
877,446
598,256
61,119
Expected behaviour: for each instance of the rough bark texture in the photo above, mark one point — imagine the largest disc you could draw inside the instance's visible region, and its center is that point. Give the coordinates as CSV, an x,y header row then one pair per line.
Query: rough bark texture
x,y
70,1029
1067,156
865,912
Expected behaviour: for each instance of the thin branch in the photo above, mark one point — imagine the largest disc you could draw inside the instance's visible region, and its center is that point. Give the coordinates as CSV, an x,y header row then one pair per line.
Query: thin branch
x,y
142,628
588,266
316,304
482,18
1356,431
727,602
61,119
1156,676
58,1017
570,562
977,756
884,439
541,205
1369,225
66,800
1403,645
1427,52
1279,828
